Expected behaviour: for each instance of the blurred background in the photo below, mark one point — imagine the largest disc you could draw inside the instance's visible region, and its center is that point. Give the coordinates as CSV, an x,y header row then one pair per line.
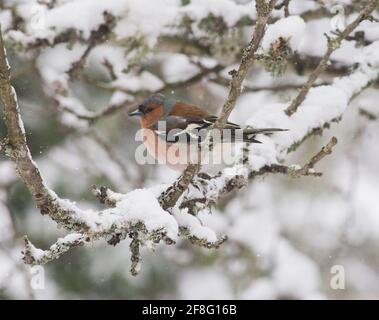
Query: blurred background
x,y
71,59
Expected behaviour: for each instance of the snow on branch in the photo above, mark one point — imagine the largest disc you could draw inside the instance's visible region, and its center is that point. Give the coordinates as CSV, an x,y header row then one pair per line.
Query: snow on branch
x,y
65,22
35,256
209,189
333,44
136,215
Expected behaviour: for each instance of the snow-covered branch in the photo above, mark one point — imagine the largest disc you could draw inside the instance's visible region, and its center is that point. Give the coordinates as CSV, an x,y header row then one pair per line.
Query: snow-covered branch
x,y
333,44
35,256
130,215
209,189
323,106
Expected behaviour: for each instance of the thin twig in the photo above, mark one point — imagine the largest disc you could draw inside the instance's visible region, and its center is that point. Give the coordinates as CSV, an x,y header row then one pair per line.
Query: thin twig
x,y
97,36
326,150
285,4
333,44
305,170
239,181
139,96
278,87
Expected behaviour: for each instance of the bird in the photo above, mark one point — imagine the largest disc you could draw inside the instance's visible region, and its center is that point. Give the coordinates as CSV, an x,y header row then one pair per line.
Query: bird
x,y
172,132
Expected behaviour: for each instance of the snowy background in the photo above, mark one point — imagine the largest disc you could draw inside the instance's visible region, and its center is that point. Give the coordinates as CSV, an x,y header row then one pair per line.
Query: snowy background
x,y
285,234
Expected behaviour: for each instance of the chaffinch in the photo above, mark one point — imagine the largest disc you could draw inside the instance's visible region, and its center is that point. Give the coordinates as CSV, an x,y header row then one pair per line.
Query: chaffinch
x,y
172,130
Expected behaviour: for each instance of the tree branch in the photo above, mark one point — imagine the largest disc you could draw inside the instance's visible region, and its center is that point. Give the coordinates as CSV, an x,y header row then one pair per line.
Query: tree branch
x,y
139,96
294,171
119,222
210,194
34,256
15,145
97,36
333,44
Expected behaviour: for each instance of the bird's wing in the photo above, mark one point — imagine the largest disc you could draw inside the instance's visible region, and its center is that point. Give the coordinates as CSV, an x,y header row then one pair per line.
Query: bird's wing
x,y
210,120
185,110
181,129
188,129
188,123
198,115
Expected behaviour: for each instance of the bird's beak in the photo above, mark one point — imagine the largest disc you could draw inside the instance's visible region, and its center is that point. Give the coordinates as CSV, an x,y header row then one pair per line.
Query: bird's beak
x,y
135,113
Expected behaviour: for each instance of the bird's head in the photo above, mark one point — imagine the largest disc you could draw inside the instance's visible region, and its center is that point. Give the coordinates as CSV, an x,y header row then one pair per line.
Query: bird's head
x,y
150,110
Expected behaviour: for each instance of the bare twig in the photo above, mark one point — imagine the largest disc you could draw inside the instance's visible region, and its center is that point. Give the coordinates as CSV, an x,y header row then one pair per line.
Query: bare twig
x,y
305,170
97,36
326,150
109,66
368,114
279,87
285,4
139,96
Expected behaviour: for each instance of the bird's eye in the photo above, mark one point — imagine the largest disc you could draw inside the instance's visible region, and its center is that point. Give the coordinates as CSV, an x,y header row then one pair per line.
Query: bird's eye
x,y
145,109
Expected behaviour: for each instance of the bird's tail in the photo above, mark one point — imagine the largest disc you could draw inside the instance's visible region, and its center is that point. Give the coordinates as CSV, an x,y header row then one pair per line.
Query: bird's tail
x,y
249,134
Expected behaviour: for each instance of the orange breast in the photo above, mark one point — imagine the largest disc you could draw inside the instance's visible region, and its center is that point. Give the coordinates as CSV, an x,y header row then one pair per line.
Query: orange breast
x,y
152,117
